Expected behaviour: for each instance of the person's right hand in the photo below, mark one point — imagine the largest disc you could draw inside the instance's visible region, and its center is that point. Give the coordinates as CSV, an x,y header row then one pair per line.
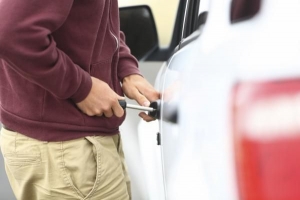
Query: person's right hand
x,y
101,101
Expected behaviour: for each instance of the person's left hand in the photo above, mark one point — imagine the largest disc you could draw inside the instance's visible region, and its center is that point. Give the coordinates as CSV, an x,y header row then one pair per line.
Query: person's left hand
x,y
138,88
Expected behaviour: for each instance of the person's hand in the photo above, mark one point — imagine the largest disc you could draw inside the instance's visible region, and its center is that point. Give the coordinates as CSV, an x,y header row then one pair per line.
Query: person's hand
x,y
101,101
137,88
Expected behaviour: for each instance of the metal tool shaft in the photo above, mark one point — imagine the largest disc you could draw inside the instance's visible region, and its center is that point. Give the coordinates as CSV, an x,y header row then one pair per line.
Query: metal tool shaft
x,y
143,108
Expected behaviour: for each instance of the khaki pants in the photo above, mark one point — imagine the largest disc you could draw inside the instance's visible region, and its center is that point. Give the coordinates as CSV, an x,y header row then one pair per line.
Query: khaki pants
x,y
90,168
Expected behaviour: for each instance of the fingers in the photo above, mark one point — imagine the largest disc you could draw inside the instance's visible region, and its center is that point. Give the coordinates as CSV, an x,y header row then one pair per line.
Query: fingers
x,y
108,112
144,95
111,108
97,104
98,112
146,117
140,98
138,88
149,92
117,109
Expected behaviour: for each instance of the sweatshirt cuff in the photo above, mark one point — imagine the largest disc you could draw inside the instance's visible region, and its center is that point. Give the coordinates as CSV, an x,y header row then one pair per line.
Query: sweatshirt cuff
x,y
130,69
83,89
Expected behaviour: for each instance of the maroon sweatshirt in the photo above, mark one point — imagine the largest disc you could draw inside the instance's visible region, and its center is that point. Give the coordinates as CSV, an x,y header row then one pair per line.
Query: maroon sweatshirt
x,y
48,52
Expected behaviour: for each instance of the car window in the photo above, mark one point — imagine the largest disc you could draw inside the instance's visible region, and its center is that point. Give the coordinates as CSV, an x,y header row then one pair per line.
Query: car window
x,y
195,16
203,6
202,13
164,18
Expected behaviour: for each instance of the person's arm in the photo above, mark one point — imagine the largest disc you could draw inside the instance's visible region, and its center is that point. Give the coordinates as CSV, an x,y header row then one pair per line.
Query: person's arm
x,y
27,45
128,64
134,85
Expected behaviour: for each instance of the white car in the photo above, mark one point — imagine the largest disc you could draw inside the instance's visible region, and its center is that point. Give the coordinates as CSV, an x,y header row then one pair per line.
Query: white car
x,y
230,120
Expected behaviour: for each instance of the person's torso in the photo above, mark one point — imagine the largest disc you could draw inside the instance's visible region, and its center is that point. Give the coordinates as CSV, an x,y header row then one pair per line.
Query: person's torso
x,y
90,37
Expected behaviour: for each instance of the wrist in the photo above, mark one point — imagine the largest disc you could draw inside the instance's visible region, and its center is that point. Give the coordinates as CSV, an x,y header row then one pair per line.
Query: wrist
x,y
132,76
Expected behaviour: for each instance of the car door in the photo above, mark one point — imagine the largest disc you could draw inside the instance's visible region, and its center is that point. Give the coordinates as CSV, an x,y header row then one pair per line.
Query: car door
x,y
148,133
172,141
144,24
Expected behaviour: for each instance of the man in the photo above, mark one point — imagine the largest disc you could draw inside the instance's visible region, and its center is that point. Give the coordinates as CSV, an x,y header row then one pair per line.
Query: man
x,y
62,62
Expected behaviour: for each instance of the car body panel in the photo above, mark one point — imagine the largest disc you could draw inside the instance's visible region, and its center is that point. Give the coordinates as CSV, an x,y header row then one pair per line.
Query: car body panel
x,y
254,51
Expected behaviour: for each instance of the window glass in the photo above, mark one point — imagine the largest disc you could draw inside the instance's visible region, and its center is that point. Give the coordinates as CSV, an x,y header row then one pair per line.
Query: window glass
x,y
203,12
204,5
196,15
164,12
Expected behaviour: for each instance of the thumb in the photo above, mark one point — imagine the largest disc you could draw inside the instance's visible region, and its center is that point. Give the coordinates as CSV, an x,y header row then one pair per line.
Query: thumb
x,y
122,101
142,100
121,98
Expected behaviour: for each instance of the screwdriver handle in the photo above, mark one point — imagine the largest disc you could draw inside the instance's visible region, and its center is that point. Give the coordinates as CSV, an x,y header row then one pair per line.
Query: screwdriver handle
x,y
122,103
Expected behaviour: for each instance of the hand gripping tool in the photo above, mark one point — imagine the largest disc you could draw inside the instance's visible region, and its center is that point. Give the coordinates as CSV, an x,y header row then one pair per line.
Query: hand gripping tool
x,y
153,109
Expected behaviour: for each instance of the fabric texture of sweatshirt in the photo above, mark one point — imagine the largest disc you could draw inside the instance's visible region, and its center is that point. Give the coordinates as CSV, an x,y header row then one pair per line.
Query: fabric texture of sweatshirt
x,y
48,52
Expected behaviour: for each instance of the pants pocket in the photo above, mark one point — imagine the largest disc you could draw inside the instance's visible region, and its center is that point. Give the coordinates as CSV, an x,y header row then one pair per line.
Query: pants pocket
x,y
110,183
21,154
79,165
17,159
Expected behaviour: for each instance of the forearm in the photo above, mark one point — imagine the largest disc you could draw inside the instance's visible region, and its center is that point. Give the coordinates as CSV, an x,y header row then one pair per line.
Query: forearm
x,y
128,64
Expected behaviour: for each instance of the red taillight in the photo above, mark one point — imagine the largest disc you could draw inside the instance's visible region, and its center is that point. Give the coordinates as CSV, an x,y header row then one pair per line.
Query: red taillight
x,y
266,124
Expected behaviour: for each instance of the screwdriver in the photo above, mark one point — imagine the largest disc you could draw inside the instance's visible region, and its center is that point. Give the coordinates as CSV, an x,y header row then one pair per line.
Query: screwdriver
x,y
124,105
153,109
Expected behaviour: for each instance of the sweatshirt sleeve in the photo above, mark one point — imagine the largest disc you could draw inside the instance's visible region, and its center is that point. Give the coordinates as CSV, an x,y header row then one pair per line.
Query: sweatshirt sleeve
x,y
27,45
128,64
